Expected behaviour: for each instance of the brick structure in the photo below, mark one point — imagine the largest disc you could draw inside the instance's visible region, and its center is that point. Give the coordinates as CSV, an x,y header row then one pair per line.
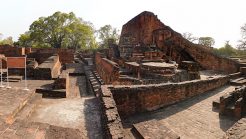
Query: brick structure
x,y
140,98
41,54
12,51
49,69
147,30
110,117
107,69
233,103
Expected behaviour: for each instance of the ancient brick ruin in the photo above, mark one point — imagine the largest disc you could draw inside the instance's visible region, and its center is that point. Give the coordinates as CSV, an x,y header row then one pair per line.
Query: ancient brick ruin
x,y
153,84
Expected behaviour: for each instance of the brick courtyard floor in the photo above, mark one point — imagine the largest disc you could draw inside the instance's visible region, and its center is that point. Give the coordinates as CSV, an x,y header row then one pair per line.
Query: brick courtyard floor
x,y
191,119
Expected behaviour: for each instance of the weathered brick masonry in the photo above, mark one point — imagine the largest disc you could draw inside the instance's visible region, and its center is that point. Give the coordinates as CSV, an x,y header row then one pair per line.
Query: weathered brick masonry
x,y
140,98
146,29
110,117
49,69
11,51
107,69
41,54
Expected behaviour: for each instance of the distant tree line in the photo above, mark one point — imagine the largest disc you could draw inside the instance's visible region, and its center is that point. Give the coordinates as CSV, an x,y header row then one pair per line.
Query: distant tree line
x,y
225,51
65,30
6,41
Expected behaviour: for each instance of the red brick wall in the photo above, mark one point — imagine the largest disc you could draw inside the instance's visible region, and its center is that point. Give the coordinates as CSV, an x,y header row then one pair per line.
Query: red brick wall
x,y
41,54
11,51
107,69
140,98
141,28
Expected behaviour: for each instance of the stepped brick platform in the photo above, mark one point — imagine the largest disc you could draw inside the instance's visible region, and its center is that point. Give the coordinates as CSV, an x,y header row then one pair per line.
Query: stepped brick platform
x,y
14,99
11,101
153,130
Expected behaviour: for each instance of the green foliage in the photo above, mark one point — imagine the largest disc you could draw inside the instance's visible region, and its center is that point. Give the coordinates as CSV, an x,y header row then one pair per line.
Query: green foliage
x,y
206,41
189,36
6,41
226,51
60,30
24,40
106,33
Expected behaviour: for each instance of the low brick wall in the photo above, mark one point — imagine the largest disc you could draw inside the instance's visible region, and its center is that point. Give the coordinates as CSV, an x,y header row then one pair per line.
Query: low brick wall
x,y
140,98
107,69
49,69
11,51
41,54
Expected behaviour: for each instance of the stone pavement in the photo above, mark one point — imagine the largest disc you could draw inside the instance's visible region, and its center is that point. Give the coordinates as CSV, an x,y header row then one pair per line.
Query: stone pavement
x,y
191,119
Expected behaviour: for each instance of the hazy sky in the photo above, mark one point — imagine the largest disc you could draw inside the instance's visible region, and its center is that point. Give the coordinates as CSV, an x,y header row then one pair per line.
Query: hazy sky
x,y
220,19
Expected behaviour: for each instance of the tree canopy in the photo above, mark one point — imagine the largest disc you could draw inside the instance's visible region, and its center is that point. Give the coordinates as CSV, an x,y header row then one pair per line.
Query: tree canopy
x,y
242,42
60,30
108,32
189,36
6,41
206,41
226,51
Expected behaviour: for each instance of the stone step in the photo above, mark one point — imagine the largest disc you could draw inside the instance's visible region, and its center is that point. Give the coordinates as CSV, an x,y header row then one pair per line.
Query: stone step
x,y
153,130
11,117
29,107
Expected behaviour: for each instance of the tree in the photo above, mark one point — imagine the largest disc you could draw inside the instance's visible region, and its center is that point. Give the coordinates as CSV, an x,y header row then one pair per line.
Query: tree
x,y
226,51
60,30
206,41
7,41
242,42
108,32
189,36
25,40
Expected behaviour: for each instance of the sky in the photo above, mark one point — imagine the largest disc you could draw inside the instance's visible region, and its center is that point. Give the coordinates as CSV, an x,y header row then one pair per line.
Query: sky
x,y
220,19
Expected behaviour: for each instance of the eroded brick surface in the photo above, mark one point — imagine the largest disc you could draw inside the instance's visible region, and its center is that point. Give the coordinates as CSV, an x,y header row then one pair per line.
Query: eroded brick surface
x,y
237,131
